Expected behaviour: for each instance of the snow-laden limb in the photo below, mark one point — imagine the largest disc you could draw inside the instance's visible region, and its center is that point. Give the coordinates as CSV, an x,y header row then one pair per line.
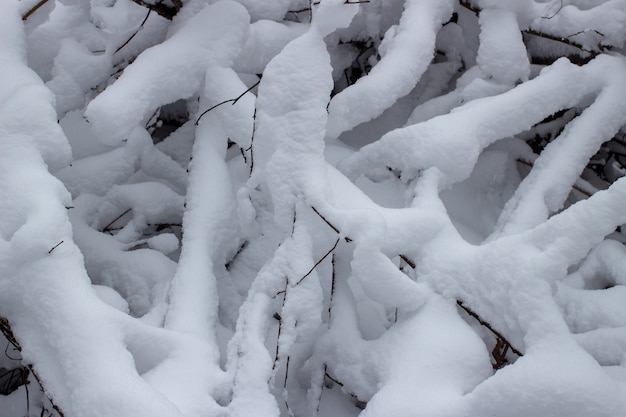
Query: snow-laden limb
x,y
502,54
592,26
291,112
265,40
546,188
207,225
27,105
406,57
169,71
72,339
453,142
288,153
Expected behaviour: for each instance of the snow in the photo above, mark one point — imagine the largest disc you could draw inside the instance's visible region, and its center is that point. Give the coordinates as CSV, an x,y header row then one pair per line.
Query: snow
x,y
210,221
408,55
501,54
127,103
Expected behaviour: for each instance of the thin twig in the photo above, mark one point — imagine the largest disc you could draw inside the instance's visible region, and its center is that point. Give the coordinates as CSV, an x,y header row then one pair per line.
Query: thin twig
x,y
34,9
136,32
5,328
574,186
327,375
233,100
162,9
565,41
332,289
555,13
318,262
251,148
55,246
488,326
106,228
280,324
56,407
408,261
326,221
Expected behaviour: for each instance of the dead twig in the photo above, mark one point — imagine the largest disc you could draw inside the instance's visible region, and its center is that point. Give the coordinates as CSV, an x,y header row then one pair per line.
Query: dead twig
x,y
55,246
575,187
162,9
326,221
34,9
408,261
332,288
136,32
502,345
280,323
56,407
318,262
555,13
5,328
233,100
107,228
251,148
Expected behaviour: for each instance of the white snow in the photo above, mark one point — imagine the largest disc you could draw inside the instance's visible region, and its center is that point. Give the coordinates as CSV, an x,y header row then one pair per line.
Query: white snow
x,y
209,217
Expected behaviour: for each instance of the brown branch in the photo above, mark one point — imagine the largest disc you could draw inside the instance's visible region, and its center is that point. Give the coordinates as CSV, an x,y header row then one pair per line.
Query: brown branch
x,y
107,227
318,262
326,221
488,326
233,100
566,41
34,9
575,187
408,261
56,407
5,328
136,32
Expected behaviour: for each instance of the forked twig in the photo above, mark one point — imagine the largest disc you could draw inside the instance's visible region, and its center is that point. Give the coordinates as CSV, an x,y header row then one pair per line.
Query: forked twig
x,y
107,227
502,342
233,100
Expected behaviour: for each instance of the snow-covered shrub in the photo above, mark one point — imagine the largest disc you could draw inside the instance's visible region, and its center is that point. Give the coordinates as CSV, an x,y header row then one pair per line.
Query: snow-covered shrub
x,y
296,208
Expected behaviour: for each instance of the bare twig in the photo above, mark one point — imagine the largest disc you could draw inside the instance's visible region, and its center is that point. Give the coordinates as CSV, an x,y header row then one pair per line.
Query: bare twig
x,y
162,9
566,41
332,288
555,13
575,187
5,328
408,261
136,32
251,148
34,9
326,221
56,407
233,100
318,262
55,246
107,227
491,329
280,323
